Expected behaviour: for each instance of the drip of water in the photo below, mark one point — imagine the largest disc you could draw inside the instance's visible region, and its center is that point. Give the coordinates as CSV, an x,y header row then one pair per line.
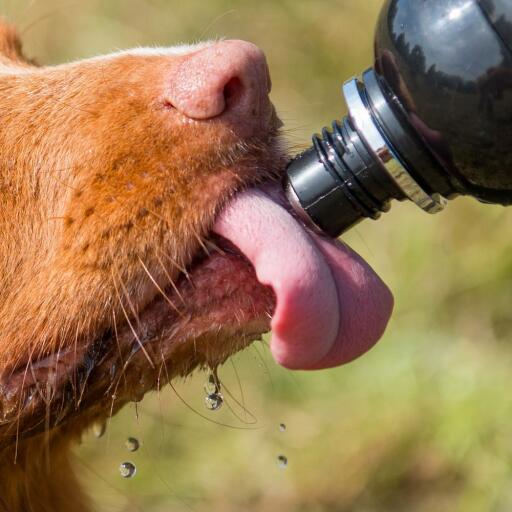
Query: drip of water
x,y
99,429
210,386
213,399
282,461
282,427
132,444
137,395
127,470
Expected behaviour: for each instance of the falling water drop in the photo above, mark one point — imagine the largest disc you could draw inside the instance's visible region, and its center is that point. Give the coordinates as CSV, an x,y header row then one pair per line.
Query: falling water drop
x,y
214,401
210,385
132,444
99,429
282,427
282,461
127,470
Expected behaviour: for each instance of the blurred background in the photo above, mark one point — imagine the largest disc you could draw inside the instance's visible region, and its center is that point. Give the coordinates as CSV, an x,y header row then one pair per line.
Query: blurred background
x,y
419,424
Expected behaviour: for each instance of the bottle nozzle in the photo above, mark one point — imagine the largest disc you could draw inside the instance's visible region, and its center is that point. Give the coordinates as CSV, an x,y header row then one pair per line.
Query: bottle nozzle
x,y
356,168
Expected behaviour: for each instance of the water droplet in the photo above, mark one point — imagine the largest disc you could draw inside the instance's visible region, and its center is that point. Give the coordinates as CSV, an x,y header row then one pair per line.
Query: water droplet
x,y
282,461
127,470
282,427
99,429
132,444
210,385
214,401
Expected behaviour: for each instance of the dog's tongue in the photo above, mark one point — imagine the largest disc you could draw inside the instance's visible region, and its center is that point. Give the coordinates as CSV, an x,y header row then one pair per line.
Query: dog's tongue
x,y
285,256
311,277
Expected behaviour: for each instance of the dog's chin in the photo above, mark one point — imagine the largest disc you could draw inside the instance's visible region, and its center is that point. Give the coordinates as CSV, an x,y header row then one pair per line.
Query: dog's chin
x,y
216,308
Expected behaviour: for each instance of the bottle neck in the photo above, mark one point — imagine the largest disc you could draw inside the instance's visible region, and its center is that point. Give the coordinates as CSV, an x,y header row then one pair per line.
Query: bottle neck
x,y
355,169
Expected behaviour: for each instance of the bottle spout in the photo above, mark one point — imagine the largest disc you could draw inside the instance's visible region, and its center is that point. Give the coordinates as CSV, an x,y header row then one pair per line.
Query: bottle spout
x,y
355,169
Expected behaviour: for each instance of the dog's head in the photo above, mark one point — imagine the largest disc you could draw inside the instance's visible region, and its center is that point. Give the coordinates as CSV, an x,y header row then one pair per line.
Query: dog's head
x,y
137,242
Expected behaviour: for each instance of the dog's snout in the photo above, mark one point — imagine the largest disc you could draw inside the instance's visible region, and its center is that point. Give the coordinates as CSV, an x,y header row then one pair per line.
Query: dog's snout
x,y
229,78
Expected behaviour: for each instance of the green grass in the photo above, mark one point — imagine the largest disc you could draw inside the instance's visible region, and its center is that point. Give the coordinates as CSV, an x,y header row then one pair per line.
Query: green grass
x,y
422,422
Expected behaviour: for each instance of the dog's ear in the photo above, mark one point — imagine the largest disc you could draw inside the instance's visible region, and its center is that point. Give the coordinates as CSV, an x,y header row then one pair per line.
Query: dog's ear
x,y
10,45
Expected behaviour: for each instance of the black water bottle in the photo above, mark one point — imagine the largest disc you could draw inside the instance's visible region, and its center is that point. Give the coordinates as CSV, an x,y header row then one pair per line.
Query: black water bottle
x,y
430,121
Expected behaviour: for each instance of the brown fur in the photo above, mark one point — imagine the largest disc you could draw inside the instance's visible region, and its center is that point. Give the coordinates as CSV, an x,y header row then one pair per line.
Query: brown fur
x,y
105,197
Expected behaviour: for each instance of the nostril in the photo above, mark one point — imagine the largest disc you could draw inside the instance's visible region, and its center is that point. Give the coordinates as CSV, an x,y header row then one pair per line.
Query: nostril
x,y
229,77
233,91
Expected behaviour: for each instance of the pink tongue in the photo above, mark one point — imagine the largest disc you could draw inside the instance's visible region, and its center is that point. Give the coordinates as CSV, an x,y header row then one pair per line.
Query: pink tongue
x,y
309,276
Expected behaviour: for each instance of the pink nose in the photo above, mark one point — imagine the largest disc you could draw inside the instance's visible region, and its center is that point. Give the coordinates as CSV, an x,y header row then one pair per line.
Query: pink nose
x,y
229,78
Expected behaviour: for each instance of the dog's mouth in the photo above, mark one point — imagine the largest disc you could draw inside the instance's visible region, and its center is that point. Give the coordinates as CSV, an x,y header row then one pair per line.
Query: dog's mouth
x,y
263,271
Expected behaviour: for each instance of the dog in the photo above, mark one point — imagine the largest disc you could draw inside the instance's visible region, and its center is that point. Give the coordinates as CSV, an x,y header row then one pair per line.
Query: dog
x,y
143,235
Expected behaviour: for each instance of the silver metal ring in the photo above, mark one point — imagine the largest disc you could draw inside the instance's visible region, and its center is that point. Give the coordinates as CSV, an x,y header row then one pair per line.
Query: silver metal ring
x,y
365,125
299,210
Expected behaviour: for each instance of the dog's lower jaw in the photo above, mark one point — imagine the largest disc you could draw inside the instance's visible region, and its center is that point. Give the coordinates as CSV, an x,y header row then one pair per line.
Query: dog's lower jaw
x,y
35,440
226,309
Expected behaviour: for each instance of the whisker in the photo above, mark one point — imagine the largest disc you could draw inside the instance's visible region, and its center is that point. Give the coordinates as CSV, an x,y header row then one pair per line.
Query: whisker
x,y
220,385
214,247
107,482
171,280
214,21
195,411
182,269
184,402
239,382
47,432
162,292
235,414
45,16
264,364
118,344
36,383
75,367
201,243
141,345
66,185
127,297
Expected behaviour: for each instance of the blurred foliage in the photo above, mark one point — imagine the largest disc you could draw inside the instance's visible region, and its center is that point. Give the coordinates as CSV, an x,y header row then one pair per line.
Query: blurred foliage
x,y
421,423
